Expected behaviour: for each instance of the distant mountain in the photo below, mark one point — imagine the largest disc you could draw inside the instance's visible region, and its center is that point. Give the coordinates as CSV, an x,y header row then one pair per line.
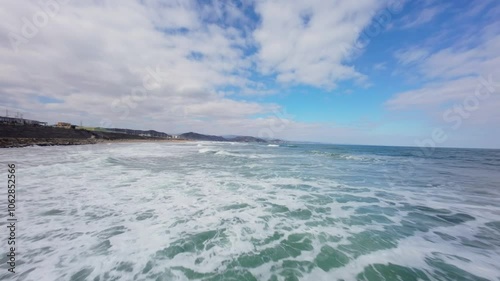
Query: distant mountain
x,y
229,136
275,141
149,133
190,136
196,136
233,138
246,139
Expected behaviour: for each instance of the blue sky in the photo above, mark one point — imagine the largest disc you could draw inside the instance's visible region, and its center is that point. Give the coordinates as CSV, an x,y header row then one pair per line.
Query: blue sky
x,y
359,72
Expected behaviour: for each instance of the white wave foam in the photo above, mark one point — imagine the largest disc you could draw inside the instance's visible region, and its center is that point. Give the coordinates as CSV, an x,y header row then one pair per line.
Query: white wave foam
x,y
69,208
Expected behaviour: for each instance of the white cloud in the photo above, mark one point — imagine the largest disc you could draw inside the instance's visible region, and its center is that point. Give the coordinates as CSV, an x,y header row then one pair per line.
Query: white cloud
x,y
426,15
412,55
435,94
307,41
459,76
380,66
477,8
92,55
482,59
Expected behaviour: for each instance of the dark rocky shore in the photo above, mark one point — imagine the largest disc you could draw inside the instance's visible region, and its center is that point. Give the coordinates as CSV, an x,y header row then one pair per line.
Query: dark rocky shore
x,y
27,135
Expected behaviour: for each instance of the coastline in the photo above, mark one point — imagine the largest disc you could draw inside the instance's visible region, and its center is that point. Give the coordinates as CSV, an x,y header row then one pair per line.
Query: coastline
x,y
26,135
26,142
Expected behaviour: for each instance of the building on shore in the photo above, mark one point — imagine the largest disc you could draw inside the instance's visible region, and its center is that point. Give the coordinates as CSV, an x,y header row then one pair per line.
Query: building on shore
x,y
65,125
20,121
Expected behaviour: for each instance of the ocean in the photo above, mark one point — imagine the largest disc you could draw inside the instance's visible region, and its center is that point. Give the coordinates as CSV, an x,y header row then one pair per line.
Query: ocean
x,y
234,211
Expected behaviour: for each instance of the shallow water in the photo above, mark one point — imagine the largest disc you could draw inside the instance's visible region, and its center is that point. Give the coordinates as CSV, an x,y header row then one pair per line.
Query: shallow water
x,y
229,211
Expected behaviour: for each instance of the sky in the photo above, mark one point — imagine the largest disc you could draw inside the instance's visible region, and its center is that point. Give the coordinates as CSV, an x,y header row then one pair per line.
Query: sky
x,y
381,72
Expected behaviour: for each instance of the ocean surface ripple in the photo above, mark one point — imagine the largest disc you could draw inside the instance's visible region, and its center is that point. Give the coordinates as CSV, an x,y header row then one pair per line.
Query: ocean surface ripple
x,y
231,211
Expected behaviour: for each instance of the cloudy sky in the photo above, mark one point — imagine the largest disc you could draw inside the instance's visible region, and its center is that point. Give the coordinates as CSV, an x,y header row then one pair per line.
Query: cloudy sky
x,y
389,72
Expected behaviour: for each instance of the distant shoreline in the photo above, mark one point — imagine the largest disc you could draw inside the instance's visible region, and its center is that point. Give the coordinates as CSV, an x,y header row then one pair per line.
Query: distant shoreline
x,y
16,135
28,135
27,142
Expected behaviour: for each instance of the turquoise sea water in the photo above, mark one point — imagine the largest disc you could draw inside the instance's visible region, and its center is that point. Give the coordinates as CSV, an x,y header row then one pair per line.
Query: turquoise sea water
x,y
230,211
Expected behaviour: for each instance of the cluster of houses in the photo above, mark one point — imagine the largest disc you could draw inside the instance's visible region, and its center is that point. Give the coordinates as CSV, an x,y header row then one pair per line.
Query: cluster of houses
x,y
20,121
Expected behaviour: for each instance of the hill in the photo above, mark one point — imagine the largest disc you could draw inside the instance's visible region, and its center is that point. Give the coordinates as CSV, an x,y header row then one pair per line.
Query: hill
x,y
149,133
196,136
201,137
246,139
